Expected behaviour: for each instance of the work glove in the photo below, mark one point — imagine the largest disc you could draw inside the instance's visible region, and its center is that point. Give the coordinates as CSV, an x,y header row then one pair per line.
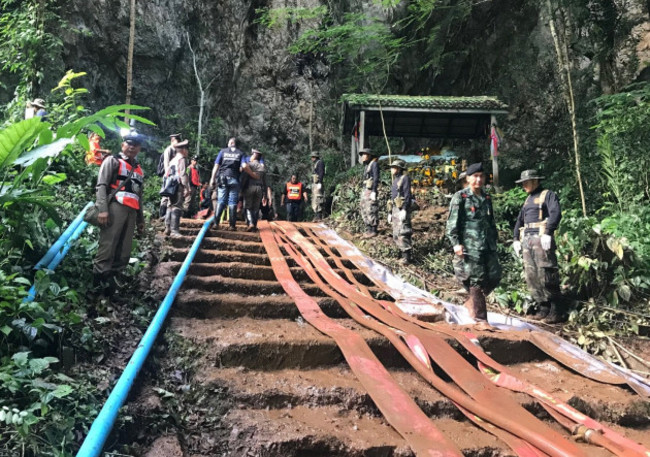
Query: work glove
x,y
319,186
458,249
390,218
546,242
373,196
402,215
516,245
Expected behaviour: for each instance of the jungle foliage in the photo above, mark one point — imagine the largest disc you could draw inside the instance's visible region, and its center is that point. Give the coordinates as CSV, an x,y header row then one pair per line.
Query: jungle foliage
x,y
45,405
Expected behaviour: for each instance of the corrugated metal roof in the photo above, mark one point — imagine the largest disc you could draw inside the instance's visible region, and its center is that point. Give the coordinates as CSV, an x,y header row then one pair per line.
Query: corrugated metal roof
x,y
481,103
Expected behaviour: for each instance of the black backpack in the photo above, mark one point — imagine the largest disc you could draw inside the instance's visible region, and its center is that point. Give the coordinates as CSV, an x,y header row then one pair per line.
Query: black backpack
x,y
160,171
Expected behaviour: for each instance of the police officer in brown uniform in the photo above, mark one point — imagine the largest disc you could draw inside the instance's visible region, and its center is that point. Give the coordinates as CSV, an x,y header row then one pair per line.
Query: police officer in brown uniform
x,y
533,235
178,170
118,218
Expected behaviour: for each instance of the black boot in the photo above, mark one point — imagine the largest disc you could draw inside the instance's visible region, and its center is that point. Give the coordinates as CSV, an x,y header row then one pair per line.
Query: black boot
x,y
555,315
232,210
542,311
406,257
109,285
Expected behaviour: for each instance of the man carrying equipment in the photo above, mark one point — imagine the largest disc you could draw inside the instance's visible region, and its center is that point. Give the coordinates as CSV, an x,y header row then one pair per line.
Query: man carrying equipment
x,y
368,201
534,230
400,201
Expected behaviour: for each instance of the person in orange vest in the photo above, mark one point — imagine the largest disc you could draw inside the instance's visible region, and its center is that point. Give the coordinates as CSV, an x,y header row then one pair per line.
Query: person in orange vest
x,y
119,217
195,186
293,195
96,155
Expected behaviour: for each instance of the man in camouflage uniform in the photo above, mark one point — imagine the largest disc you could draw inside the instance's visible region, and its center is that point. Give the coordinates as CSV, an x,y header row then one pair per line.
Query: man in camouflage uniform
x,y
400,216
317,194
368,203
473,234
534,229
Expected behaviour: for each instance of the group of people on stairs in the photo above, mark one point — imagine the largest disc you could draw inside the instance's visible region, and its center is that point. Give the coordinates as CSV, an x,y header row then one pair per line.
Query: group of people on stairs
x,y
471,227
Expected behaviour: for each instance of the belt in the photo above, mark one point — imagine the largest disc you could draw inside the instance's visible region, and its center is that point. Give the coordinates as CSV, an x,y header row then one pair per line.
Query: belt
x,y
535,225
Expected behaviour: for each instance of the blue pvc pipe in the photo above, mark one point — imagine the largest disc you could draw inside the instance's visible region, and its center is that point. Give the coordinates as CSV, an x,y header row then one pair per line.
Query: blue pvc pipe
x,y
103,424
31,295
56,247
60,248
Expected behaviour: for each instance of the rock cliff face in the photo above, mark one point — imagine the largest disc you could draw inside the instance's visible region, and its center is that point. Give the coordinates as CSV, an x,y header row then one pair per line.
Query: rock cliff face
x,y
261,92
265,95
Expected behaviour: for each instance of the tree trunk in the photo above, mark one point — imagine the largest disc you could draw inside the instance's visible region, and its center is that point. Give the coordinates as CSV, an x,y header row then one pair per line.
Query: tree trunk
x,y
129,63
201,97
564,69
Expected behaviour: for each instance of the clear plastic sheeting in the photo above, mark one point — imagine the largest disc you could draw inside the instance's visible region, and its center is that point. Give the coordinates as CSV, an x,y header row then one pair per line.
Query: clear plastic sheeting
x,y
421,303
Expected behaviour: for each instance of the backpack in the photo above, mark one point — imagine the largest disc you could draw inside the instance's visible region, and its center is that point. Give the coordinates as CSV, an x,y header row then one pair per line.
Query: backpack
x,y
160,170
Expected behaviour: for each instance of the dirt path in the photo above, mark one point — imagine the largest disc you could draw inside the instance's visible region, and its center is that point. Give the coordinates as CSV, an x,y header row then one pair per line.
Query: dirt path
x,y
265,383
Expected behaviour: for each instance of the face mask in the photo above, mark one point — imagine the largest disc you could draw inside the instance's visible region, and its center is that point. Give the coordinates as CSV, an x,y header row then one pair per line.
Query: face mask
x,y
232,148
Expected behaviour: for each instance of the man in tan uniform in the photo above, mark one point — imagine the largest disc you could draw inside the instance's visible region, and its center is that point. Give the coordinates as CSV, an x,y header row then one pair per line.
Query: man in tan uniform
x,y
120,216
178,171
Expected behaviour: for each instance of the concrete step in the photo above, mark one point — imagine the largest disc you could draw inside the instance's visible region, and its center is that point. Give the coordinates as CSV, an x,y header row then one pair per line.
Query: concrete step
x,y
603,402
223,284
202,305
331,431
276,344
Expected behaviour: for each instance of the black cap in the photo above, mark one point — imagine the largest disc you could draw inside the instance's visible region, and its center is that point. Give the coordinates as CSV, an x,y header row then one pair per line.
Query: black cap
x,y
474,168
133,138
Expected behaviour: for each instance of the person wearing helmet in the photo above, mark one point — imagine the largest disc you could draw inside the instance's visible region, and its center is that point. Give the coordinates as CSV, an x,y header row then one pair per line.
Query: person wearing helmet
x,y
368,201
400,215
533,236
472,231
317,194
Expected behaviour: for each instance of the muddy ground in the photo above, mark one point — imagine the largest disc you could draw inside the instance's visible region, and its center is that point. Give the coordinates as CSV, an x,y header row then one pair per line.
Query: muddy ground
x,y
238,371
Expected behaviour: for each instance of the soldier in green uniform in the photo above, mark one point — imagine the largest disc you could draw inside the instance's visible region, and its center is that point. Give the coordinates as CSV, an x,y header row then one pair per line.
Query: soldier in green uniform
x,y
368,203
317,194
534,230
400,213
473,234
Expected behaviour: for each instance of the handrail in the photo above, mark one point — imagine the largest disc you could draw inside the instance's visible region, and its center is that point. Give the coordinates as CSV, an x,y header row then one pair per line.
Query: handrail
x,y
103,424
60,248
56,247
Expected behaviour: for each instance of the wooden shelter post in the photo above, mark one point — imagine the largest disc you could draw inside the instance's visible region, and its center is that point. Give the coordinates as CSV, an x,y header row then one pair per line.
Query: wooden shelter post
x,y
495,162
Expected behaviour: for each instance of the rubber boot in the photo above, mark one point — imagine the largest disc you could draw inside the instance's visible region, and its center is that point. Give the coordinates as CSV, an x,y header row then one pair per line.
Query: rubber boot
x,y
406,257
175,222
221,207
371,231
109,285
555,315
477,307
542,311
232,212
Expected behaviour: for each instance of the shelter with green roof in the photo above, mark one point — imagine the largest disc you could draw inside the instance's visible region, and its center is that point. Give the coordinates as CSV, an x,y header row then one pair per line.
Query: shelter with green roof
x,y
465,118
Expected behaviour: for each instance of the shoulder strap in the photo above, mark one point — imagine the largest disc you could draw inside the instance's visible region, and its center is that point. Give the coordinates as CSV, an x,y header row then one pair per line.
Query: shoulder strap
x,y
121,186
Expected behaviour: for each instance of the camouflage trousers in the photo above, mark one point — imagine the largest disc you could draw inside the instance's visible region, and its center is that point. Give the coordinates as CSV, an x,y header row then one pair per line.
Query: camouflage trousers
x,y
478,269
402,230
317,198
369,209
541,270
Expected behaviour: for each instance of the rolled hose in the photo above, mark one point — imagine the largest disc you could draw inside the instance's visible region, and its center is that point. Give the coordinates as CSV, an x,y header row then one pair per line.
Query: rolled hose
x,y
103,424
